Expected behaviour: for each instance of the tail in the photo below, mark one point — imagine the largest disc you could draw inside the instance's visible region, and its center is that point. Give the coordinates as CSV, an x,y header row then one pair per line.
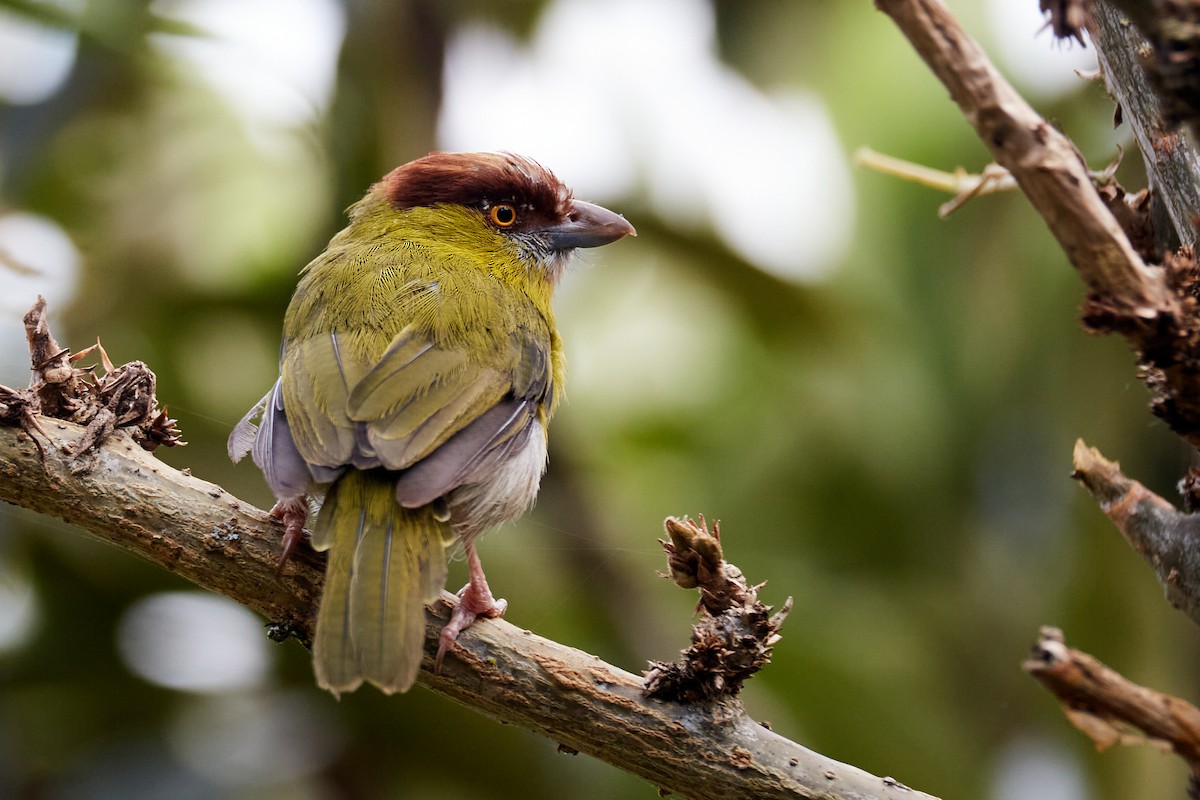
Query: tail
x,y
385,563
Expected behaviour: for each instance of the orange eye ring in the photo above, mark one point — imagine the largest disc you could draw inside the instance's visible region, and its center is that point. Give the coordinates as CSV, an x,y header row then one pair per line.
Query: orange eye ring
x,y
503,215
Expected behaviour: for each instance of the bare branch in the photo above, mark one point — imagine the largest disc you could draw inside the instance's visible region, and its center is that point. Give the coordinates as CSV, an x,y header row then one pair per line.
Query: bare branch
x,y
1110,708
205,535
123,495
1044,163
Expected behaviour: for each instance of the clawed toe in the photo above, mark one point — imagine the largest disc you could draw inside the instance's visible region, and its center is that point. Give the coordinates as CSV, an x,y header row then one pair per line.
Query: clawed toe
x,y
471,606
474,600
293,513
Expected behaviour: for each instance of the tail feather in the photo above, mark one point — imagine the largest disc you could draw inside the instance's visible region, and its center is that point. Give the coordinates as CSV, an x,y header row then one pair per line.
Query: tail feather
x,y
385,563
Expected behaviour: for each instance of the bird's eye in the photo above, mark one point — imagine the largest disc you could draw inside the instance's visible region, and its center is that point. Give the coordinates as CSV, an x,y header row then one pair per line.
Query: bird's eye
x,y
503,215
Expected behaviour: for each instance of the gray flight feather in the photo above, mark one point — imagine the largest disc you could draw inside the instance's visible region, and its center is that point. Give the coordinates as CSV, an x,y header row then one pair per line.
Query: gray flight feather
x,y
275,452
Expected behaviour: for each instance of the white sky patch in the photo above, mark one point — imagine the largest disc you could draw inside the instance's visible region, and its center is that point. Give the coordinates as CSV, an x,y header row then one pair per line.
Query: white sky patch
x,y
35,60
782,205
1030,55
486,71
36,257
274,61
256,739
194,642
765,170
1038,769
18,610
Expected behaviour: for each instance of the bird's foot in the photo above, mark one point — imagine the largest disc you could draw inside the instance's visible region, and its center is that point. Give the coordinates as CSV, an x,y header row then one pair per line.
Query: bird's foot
x,y
293,513
474,600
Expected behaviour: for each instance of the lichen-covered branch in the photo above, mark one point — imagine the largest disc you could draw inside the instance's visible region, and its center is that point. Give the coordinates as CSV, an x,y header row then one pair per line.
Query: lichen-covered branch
x,y
1110,708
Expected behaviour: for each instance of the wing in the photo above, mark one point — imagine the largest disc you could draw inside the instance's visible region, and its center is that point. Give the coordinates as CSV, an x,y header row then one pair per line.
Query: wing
x,y
435,415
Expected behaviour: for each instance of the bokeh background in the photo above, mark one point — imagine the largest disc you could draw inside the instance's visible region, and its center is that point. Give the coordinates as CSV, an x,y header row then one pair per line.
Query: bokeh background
x,y
879,405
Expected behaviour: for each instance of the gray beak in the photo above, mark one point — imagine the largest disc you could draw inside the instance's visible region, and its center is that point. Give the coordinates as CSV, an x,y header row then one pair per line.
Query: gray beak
x,y
588,225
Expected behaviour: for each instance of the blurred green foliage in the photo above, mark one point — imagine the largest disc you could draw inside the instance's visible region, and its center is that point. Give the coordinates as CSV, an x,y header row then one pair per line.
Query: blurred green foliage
x,y
890,445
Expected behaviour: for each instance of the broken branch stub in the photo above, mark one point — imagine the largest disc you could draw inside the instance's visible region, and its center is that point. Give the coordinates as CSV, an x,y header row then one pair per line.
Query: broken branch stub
x,y
1167,539
1108,707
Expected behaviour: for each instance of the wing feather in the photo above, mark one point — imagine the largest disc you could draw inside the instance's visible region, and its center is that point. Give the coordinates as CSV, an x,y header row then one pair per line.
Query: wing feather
x,y
273,448
316,381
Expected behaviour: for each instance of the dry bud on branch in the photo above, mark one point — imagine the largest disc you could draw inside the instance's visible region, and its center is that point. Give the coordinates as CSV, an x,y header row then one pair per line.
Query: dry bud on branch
x,y
121,398
735,633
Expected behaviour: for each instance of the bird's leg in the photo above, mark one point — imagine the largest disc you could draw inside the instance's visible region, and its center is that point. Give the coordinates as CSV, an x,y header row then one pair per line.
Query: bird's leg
x,y
474,600
294,513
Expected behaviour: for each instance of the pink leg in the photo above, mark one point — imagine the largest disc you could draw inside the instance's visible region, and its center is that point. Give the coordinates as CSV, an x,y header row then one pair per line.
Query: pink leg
x,y
474,600
293,513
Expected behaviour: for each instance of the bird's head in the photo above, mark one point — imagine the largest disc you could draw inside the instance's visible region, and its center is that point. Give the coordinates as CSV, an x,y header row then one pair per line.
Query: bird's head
x,y
497,204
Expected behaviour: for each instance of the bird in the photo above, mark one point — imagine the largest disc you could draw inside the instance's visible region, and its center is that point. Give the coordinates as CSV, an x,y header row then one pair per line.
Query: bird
x,y
421,364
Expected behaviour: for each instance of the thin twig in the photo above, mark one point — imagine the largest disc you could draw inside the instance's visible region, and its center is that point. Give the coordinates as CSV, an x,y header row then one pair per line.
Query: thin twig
x,y
963,185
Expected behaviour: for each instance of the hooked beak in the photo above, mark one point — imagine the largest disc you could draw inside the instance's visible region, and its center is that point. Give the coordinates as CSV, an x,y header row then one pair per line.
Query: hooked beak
x,y
588,225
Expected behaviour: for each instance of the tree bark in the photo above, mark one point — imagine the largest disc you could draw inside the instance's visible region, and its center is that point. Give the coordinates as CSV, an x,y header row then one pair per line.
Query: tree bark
x,y
1172,163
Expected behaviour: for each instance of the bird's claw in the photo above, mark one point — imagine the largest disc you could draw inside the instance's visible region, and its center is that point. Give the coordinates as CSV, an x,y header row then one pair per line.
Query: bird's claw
x,y
293,513
474,600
